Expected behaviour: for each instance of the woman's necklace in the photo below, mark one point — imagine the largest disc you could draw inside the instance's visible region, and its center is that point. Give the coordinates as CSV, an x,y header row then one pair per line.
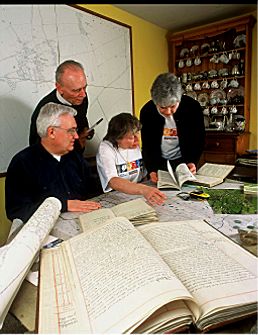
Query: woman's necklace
x,y
125,159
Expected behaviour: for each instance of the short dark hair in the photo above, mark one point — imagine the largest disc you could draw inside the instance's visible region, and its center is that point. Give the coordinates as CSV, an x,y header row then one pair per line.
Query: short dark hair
x,y
120,125
68,64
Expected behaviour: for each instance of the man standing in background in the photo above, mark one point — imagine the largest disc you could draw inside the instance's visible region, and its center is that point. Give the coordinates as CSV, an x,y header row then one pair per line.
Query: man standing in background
x,y
71,84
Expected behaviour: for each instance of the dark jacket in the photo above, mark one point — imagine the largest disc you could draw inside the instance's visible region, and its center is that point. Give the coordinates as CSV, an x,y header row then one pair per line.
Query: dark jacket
x,y
190,128
81,117
34,174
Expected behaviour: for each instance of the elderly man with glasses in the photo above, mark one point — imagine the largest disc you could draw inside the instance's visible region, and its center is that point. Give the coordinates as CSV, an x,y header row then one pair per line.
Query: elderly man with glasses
x,y
50,167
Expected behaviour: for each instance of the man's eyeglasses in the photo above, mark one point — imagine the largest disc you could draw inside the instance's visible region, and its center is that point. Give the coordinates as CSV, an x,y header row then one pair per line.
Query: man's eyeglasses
x,y
70,131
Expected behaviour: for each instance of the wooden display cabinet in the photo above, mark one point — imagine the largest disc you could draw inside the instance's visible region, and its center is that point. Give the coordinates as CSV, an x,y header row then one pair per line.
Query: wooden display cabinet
x,y
217,54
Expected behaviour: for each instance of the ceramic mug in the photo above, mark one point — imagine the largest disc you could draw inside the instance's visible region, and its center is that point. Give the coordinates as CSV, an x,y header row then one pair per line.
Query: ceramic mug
x,y
215,84
233,109
224,110
224,58
206,85
197,86
223,83
234,83
181,64
197,61
214,110
188,62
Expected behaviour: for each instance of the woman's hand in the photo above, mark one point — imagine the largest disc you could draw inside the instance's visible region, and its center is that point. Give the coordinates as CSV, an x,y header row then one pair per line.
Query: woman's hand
x,y
82,206
192,167
153,195
154,177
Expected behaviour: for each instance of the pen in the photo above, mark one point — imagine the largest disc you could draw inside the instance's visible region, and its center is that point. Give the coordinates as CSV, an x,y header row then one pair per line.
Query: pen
x,y
53,243
95,124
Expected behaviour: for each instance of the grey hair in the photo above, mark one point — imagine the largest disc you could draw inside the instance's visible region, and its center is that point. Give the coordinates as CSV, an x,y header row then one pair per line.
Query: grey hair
x,y
49,115
166,90
68,64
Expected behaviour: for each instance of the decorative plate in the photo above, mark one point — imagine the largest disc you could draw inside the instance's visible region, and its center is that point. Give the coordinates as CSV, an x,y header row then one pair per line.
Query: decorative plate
x,y
212,73
193,49
203,99
205,47
233,92
192,94
219,94
240,41
223,72
236,95
184,52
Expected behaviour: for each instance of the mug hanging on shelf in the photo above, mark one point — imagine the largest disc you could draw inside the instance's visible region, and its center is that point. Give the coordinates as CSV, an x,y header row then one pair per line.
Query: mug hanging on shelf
x,y
214,110
233,109
224,110
181,64
206,85
224,58
197,60
233,83
223,83
188,62
214,84
197,86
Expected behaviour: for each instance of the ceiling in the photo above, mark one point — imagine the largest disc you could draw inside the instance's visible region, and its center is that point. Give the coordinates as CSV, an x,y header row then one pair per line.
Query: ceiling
x,y
176,17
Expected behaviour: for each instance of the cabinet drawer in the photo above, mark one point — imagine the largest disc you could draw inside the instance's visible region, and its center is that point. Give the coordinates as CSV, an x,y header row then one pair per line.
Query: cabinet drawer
x,y
218,158
220,144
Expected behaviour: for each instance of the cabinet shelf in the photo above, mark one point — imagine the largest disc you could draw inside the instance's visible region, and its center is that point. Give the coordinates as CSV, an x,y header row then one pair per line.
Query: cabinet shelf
x,y
220,34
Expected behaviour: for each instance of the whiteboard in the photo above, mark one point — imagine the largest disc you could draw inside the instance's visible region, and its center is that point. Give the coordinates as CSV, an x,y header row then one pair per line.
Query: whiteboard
x,y
34,40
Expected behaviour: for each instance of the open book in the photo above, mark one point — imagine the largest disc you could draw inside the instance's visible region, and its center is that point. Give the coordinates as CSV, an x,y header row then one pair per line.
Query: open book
x,y
208,175
162,277
171,179
17,257
137,211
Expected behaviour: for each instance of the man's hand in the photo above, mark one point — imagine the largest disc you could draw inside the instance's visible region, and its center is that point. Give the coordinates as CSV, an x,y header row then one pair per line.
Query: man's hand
x,y
82,206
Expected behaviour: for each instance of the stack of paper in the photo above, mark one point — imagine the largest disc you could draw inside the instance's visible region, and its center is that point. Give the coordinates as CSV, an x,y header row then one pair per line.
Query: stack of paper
x,y
137,211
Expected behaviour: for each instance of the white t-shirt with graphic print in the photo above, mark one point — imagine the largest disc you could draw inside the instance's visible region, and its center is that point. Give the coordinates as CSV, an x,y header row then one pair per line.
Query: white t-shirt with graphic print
x,y
170,148
118,162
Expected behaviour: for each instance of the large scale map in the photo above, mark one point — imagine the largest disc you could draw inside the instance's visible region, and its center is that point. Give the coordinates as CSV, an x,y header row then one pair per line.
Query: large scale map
x,y
34,39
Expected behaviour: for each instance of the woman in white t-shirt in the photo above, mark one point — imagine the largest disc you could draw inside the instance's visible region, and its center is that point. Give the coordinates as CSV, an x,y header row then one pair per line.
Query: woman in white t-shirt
x,y
119,159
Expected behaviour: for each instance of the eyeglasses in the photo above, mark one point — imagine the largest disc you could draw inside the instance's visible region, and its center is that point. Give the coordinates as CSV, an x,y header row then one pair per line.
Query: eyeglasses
x,y
70,131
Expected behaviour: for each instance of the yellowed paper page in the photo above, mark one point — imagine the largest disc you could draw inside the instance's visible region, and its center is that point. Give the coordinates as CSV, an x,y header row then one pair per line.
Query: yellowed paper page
x,y
217,272
120,278
132,209
95,218
22,251
215,170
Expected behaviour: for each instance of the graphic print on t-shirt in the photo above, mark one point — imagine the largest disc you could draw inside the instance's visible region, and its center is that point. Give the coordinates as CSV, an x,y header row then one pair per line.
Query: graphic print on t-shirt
x,y
130,167
168,133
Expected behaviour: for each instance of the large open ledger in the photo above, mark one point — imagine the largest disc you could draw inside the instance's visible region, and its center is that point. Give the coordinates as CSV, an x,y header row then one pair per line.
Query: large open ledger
x,y
17,257
209,175
116,278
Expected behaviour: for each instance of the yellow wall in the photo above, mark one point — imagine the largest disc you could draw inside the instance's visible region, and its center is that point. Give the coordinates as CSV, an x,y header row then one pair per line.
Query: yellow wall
x,y
149,50
150,57
253,103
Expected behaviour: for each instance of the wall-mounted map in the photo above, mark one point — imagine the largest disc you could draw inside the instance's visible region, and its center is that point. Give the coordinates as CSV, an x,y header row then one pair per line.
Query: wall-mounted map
x,y
34,39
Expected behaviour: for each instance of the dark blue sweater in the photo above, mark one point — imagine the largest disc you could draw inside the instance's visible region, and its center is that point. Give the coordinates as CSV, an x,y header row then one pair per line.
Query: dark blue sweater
x,y
34,174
